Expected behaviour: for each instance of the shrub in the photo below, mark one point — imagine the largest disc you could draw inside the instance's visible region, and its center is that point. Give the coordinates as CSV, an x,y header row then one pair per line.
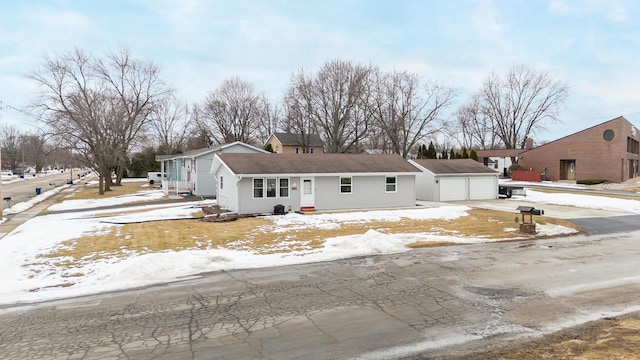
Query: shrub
x,y
591,181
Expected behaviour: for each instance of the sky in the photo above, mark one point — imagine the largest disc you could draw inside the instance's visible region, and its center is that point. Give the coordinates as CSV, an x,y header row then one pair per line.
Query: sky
x,y
592,45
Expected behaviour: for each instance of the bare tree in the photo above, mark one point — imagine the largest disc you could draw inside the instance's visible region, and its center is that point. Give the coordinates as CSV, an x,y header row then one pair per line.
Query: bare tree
x,y
235,112
35,148
334,102
407,110
10,138
98,106
475,127
170,125
521,103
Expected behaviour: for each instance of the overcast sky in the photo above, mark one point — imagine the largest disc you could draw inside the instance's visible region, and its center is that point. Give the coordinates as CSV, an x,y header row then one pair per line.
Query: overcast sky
x,y
592,45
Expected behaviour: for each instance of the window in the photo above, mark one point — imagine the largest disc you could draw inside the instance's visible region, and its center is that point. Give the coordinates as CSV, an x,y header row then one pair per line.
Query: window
x,y
258,188
608,135
345,185
284,188
221,182
390,184
271,188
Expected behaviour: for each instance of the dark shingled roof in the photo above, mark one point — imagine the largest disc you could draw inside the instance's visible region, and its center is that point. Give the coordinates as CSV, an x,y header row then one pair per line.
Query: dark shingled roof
x,y
297,139
455,166
316,163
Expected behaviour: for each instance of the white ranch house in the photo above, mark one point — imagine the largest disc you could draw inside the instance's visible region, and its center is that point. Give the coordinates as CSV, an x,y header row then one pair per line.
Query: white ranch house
x,y
256,183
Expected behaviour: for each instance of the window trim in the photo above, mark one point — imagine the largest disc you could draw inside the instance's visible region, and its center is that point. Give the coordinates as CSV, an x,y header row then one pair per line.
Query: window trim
x,y
275,188
350,185
264,188
280,187
395,184
253,188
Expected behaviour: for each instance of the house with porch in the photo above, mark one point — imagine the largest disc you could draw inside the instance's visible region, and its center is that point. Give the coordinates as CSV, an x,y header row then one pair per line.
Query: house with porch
x,y
257,183
189,172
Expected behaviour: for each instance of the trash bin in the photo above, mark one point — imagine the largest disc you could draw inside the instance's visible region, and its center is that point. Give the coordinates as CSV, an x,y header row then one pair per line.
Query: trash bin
x,y
38,191
69,182
21,176
278,209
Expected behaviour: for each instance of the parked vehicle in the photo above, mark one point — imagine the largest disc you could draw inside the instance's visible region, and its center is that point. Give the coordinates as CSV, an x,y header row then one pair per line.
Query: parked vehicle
x,y
154,177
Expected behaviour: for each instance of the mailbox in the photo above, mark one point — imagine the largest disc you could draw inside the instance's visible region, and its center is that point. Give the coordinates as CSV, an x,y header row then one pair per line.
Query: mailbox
x,y
528,227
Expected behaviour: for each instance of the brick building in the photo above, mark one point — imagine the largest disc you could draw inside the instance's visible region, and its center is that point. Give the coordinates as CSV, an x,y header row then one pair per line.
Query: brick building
x,y
608,151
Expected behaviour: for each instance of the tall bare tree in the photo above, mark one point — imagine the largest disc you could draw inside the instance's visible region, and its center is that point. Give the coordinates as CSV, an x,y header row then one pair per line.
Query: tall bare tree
x,y
98,106
334,102
170,125
475,127
520,103
235,112
408,110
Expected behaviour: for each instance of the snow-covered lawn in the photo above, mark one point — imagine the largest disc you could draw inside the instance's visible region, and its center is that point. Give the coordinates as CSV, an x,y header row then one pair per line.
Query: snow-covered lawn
x,y
28,276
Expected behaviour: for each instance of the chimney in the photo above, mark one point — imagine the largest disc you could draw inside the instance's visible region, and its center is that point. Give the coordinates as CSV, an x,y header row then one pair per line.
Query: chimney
x,y
528,143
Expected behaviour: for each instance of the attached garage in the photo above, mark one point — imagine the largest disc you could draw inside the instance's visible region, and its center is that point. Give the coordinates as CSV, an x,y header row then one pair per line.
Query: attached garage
x,y
455,180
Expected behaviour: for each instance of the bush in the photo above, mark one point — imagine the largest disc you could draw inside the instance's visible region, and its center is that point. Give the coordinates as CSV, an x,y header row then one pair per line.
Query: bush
x,y
591,182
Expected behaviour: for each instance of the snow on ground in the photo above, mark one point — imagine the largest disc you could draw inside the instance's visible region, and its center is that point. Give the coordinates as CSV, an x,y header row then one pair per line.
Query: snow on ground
x,y
584,201
20,207
29,277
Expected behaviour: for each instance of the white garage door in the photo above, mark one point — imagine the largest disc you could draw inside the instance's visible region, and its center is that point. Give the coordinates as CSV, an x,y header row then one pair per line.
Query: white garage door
x,y
483,188
453,188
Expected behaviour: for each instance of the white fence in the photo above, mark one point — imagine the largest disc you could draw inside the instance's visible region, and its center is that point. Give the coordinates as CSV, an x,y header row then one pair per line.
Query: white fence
x,y
175,187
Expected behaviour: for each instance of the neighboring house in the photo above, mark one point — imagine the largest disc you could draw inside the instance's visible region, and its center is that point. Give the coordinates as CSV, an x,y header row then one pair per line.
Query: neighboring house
x,y
498,159
285,143
256,183
453,180
608,151
190,171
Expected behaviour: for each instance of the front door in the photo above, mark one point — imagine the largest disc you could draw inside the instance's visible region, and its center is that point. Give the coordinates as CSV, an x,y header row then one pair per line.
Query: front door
x,y
307,196
567,169
571,170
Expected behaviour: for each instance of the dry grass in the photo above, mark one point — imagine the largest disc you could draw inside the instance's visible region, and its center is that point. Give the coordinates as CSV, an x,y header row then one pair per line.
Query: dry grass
x,y
257,234
604,339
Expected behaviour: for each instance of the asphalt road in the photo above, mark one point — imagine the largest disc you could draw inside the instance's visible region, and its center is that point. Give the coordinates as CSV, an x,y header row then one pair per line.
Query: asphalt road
x,y
21,191
428,302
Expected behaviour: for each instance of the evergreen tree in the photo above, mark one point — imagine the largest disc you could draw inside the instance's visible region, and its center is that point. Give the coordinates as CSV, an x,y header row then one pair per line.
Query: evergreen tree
x,y
431,153
473,155
444,155
465,154
452,154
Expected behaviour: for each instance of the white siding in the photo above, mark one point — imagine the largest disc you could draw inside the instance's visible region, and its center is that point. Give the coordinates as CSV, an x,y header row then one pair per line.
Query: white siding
x,y
227,197
205,182
368,192
425,187
453,188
